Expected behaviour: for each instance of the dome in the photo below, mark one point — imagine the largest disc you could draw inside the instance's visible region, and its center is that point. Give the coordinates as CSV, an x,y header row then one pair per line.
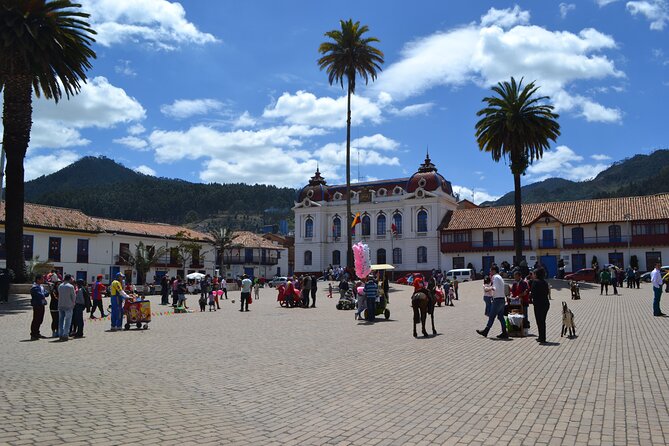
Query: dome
x,y
428,179
316,190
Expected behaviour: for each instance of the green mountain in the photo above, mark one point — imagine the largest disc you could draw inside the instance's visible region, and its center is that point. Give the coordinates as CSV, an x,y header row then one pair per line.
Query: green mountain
x,y
101,187
638,175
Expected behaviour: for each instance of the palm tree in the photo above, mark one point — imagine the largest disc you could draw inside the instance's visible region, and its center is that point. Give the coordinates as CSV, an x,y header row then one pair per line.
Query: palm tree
x,y
516,124
349,54
145,257
222,238
45,49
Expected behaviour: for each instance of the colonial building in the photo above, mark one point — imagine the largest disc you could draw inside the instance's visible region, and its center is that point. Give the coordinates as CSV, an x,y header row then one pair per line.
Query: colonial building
x,y
400,220
613,230
254,255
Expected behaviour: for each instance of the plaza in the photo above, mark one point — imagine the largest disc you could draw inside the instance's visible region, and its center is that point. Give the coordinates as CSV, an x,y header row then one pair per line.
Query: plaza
x,y
316,376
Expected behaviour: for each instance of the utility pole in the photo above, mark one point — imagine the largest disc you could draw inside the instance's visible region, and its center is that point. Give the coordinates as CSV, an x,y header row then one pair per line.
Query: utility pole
x,y
2,167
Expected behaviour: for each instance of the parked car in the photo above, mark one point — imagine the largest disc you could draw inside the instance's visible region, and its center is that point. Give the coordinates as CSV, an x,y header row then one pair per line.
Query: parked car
x,y
645,277
409,278
463,275
582,275
276,281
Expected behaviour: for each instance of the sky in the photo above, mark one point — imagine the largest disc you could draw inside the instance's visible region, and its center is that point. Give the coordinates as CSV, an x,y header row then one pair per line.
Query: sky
x,y
228,91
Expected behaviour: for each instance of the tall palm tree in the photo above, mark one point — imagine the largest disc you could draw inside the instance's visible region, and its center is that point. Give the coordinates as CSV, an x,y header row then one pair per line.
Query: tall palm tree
x,y
222,237
347,55
516,124
145,257
45,48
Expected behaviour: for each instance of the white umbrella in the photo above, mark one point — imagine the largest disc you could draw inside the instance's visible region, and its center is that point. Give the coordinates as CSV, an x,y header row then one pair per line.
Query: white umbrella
x,y
195,276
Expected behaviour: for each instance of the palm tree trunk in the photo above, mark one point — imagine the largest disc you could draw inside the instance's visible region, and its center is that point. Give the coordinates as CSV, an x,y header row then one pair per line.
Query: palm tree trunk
x,y
349,233
17,122
518,231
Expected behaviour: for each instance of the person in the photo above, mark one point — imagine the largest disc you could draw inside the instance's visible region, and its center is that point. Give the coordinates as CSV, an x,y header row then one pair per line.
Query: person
x,y
205,285
289,294
203,303
117,296
371,290
361,300
630,277
175,291
164,290
38,302
224,287
82,302
256,290
520,292
497,308
386,288
343,288
540,298
98,289
182,289
455,284
306,290
604,279
656,281
637,277
613,271
66,301
314,288
246,293
53,309
488,291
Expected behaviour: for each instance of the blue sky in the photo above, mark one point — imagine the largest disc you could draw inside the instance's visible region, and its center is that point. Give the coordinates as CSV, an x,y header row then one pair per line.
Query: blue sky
x,y
229,91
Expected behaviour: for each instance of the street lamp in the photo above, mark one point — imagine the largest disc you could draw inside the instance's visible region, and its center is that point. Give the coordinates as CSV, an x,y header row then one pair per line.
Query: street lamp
x,y
627,218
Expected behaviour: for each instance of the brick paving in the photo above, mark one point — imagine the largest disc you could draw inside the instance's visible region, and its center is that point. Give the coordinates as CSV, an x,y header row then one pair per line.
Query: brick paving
x,y
278,376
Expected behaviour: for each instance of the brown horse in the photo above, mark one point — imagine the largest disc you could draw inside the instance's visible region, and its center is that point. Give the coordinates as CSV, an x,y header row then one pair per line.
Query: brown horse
x,y
423,304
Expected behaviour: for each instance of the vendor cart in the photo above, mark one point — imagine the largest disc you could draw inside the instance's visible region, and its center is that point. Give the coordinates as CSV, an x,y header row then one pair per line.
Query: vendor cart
x,y
137,313
382,299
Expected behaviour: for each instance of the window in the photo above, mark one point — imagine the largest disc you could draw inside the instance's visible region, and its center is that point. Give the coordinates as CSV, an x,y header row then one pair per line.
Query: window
x,y
381,225
652,258
615,234
336,227
458,262
577,236
616,258
28,241
421,254
124,252
336,257
381,255
397,256
421,221
366,225
456,237
309,228
577,262
307,258
248,255
650,228
397,224
54,249
82,250
488,238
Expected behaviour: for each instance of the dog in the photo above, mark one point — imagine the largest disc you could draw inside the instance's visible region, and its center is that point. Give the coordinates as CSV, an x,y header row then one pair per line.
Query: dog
x,y
568,324
575,290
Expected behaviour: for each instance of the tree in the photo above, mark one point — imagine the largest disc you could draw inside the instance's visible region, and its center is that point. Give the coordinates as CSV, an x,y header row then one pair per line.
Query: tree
x,y
188,249
222,237
145,257
45,49
516,124
347,55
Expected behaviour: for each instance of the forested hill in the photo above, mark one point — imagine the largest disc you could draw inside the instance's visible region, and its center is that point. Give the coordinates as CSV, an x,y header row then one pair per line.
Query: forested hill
x,y
638,175
103,188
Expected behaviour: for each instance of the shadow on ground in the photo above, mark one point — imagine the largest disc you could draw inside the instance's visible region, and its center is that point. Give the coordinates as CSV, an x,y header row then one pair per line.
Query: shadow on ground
x,y
16,305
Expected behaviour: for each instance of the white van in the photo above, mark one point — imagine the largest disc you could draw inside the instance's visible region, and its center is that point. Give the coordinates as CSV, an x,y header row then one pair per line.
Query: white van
x,y
463,275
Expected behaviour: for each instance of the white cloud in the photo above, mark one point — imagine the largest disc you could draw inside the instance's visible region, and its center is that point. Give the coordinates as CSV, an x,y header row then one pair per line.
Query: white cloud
x,y
133,142
602,3
565,8
124,68
185,108
413,109
376,141
335,154
305,108
600,157
136,129
505,18
158,23
36,166
563,162
51,134
655,11
245,120
146,170
475,195
485,55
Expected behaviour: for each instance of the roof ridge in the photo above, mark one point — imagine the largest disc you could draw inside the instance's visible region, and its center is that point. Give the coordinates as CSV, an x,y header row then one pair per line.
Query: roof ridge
x,y
568,201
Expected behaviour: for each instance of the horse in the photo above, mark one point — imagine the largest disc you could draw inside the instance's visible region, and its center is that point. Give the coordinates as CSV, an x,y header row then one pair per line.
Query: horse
x,y
423,303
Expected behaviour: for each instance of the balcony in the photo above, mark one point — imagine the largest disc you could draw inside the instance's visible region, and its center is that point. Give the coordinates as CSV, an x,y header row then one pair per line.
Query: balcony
x,y
480,246
256,260
600,241
547,243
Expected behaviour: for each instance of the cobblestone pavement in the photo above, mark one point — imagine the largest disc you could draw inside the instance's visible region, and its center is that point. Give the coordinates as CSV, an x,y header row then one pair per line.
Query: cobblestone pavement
x,y
316,376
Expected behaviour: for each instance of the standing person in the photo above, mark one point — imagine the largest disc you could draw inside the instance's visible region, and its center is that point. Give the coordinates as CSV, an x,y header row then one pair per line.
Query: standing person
x,y
98,289
521,291
224,287
613,271
66,301
38,302
540,293
256,290
175,291
656,281
497,308
306,290
117,296
637,277
314,288
386,288
604,279
82,302
204,286
488,291
53,309
630,277
164,290
343,288
371,290
455,284
246,293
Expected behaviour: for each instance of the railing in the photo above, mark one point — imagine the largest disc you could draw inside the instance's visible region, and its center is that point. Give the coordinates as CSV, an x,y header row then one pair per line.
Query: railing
x,y
486,245
547,243
599,240
255,260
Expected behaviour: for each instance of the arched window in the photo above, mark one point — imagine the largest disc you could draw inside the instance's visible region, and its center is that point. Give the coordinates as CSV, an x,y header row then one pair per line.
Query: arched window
x,y
307,258
366,225
615,236
336,227
381,255
397,223
336,257
309,228
422,254
421,221
381,225
397,256
577,236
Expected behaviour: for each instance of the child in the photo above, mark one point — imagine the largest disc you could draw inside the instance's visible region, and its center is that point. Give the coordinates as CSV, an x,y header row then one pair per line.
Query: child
x,y
330,291
256,290
212,301
451,296
203,303
488,292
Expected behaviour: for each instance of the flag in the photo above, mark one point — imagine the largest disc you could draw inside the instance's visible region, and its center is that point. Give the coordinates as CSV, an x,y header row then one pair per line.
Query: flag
x,y
356,220
393,229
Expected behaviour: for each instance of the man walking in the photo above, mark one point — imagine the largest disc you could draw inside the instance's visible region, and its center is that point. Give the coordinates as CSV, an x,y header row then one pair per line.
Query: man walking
x,y
246,293
38,302
497,308
656,281
314,287
371,291
98,289
117,296
224,287
66,301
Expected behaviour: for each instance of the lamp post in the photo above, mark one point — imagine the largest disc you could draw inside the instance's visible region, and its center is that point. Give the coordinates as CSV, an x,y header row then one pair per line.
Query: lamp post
x,y
627,218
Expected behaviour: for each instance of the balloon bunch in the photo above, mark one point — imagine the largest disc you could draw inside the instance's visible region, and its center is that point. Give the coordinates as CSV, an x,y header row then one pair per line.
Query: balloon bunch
x,y
361,257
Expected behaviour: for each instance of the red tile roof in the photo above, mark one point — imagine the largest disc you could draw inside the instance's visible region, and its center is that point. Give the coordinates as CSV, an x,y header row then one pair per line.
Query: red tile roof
x,y
247,239
650,207
150,229
51,217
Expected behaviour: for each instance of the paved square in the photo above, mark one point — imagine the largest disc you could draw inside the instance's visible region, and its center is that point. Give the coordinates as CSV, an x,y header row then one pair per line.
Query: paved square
x,y
316,376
